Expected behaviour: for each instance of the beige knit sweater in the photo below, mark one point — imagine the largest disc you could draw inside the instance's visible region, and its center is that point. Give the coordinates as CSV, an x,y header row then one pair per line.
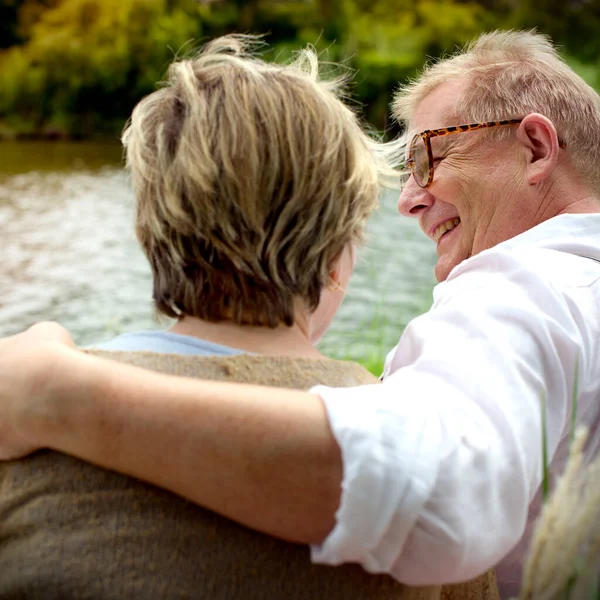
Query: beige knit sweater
x,y
70,530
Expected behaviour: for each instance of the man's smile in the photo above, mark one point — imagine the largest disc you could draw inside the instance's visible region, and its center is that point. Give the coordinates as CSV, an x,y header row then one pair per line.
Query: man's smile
x,y
441,229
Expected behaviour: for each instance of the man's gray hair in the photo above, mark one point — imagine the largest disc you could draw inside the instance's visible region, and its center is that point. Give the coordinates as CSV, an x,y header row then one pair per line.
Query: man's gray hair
x,y
511,74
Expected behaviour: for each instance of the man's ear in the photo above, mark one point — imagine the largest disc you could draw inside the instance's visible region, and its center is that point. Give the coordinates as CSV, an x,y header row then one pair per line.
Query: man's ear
x,y
538,135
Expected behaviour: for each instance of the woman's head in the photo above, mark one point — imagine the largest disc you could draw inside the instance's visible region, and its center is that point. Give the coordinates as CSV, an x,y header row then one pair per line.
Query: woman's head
x,y
251,181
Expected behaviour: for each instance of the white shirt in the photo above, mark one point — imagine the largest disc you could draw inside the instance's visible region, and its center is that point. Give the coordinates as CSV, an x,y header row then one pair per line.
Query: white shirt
x,y
443,460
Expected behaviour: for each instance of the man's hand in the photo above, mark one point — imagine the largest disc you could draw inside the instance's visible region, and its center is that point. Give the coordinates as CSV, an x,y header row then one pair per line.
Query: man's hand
x,y
28,362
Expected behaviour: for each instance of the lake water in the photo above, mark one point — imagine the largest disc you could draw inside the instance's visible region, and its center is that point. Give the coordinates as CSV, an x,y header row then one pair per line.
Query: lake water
x,y
68,253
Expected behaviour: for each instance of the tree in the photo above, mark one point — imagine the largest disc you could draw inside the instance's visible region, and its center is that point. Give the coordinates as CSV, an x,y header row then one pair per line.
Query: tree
x,y
86,63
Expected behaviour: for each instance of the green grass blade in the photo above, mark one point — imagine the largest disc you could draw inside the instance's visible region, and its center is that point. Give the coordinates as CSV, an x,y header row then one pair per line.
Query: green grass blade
x,y
574,402
595,589
545,477
573,577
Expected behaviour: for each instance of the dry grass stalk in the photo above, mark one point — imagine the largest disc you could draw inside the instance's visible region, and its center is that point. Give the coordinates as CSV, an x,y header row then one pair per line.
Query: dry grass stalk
x,y
565,546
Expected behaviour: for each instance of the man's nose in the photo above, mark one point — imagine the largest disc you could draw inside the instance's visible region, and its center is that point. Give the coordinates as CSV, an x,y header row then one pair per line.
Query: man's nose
x,y
414,200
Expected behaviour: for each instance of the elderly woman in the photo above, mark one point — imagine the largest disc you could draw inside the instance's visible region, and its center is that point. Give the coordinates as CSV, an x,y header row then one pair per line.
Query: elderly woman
x,y
253,184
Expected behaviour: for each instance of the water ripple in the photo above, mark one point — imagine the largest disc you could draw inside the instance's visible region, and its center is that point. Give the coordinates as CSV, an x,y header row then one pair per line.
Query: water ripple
x,y
69,254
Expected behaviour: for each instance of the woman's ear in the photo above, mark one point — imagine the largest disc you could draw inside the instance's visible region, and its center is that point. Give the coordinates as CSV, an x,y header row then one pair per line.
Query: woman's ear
x,y
538,135
335,278
341,268
339,272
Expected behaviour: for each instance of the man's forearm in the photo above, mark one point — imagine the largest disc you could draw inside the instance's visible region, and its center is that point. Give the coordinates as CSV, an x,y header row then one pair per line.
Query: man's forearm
x,y
264,457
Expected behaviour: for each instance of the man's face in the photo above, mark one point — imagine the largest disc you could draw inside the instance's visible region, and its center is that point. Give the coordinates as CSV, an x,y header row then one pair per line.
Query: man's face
x,y
477,198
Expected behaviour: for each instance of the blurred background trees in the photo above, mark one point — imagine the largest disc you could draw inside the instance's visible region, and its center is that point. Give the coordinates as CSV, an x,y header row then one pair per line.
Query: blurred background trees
x,y
76,68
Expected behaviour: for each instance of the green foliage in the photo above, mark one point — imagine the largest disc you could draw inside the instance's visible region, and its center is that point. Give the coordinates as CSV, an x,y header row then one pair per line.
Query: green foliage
x,y
79,66
374,365
8,23
86,63
572,23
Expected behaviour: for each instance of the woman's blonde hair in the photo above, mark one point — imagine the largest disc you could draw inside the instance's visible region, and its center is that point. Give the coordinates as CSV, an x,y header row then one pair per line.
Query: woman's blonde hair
x,y
510,74
250,180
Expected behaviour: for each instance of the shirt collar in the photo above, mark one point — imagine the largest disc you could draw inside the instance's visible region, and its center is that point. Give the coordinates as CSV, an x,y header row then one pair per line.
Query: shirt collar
x,y
572,233
577,234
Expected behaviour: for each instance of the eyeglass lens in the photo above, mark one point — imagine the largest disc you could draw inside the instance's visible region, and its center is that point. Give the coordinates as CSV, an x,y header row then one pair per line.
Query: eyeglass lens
x,y
418,152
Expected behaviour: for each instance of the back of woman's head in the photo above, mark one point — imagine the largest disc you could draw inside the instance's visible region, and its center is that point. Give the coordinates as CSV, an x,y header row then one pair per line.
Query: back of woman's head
x,y
250,180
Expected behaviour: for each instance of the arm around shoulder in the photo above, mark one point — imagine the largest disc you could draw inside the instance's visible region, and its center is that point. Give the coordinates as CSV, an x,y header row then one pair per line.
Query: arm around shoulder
x,y
264,457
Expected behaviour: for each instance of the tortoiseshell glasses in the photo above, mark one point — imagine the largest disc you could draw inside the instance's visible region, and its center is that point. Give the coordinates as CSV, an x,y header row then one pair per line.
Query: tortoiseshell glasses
x,y
420,156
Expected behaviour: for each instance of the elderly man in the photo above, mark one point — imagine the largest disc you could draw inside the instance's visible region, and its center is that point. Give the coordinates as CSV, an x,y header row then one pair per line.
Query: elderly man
x,y
435,475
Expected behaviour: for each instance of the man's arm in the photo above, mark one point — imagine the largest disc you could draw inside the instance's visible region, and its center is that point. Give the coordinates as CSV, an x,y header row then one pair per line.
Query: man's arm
x,y
440,461
264,457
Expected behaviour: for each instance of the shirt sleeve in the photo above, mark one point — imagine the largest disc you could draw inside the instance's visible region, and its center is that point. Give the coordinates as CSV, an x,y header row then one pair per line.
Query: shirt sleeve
x,y
442,459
